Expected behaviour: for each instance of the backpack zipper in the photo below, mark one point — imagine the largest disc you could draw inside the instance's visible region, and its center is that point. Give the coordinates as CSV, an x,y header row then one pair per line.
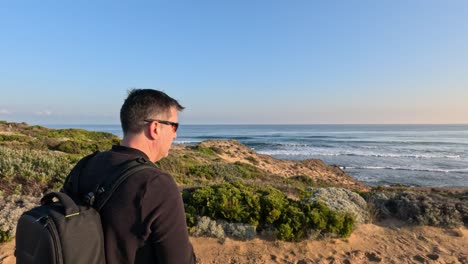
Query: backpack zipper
x,y
55,240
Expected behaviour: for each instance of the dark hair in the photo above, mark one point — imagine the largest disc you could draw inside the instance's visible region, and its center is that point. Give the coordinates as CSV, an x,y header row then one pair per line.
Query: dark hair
x,y
143,104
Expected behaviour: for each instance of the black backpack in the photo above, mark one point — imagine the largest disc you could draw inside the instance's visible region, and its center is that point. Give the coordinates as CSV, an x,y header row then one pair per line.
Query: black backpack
x,y
65,228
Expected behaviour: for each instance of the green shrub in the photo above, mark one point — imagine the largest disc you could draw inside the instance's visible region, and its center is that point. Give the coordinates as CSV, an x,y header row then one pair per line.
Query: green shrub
x,y
83,147
5,237
232,202
13,137
228,171
74,141
292,223
316,216
272,202
285,232
247,171
320,217
348,226
265,207
209,151
178,167
77,134
203,171
34,169
190,215
72,147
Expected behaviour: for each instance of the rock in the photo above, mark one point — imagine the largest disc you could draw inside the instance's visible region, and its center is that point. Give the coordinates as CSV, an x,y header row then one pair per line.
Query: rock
x,y
433,256
419,258
340,199
239,230
372,256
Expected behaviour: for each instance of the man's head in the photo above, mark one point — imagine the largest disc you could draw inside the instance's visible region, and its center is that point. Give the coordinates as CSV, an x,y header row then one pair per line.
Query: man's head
x,y
149,121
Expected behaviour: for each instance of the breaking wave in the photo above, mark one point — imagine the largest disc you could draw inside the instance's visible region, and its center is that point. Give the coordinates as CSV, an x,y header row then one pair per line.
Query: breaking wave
x,y
465,170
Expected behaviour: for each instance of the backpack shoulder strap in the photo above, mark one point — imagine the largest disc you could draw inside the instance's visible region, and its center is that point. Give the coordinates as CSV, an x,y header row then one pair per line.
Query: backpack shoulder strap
x,y
72,181
122,172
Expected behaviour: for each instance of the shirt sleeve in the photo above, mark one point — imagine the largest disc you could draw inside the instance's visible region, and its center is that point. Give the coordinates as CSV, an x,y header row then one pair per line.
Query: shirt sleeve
x,y
168,233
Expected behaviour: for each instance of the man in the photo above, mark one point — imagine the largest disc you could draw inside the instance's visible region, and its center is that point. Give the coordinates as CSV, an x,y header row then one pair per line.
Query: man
x,y
144,221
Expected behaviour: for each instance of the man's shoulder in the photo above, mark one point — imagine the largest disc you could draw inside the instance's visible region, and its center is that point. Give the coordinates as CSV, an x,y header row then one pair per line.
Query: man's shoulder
x,y
155,175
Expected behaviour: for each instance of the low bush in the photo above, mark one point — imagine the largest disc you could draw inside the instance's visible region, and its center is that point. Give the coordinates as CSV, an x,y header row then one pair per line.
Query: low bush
x,y
35,170
178,167
227,171
265,207
76,134
272,202
420,208
234,203
82,147
13,137
11,208
209,151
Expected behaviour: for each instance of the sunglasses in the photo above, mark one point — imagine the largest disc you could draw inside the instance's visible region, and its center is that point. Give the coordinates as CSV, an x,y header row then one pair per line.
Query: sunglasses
x,y
173,124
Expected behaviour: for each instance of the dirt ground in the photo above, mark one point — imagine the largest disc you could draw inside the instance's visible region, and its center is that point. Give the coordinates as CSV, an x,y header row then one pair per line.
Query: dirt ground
x,y
386,242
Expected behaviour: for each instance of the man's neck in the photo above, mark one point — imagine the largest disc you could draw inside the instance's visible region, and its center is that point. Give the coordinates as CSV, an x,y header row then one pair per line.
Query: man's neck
x,y
139,143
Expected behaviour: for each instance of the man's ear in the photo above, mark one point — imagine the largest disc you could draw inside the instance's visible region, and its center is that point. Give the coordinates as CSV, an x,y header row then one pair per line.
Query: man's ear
x,y
154,130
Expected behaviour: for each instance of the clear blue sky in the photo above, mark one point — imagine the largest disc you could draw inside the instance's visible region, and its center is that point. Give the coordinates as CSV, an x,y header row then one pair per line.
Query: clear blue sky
x,y
237,61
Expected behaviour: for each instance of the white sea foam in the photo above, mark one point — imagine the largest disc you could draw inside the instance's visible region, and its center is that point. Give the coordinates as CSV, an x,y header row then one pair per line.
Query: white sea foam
x,y
327,152
464,170
179,142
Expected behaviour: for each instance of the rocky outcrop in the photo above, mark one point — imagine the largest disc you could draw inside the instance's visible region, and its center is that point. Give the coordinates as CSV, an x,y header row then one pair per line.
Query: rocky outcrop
x,y
341,200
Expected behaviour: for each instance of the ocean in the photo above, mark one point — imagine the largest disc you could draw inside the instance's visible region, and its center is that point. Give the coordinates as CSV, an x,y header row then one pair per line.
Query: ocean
x,y
416,155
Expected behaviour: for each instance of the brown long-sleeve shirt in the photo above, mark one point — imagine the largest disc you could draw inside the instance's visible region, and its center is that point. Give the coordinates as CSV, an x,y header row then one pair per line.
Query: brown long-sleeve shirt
x,y
144,220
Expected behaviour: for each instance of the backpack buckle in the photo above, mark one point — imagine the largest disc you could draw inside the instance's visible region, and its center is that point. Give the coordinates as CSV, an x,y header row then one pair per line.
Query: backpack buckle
x,y
141,160
89,198
100,191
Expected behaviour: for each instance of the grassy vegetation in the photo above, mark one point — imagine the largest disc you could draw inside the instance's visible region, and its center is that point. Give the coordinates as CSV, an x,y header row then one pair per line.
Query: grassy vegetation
x,y
34,159
72,141
227,171
208,151
33,172
265,207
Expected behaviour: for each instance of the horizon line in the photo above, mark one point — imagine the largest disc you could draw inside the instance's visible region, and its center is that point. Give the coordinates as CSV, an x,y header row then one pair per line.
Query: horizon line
x,y
264,124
